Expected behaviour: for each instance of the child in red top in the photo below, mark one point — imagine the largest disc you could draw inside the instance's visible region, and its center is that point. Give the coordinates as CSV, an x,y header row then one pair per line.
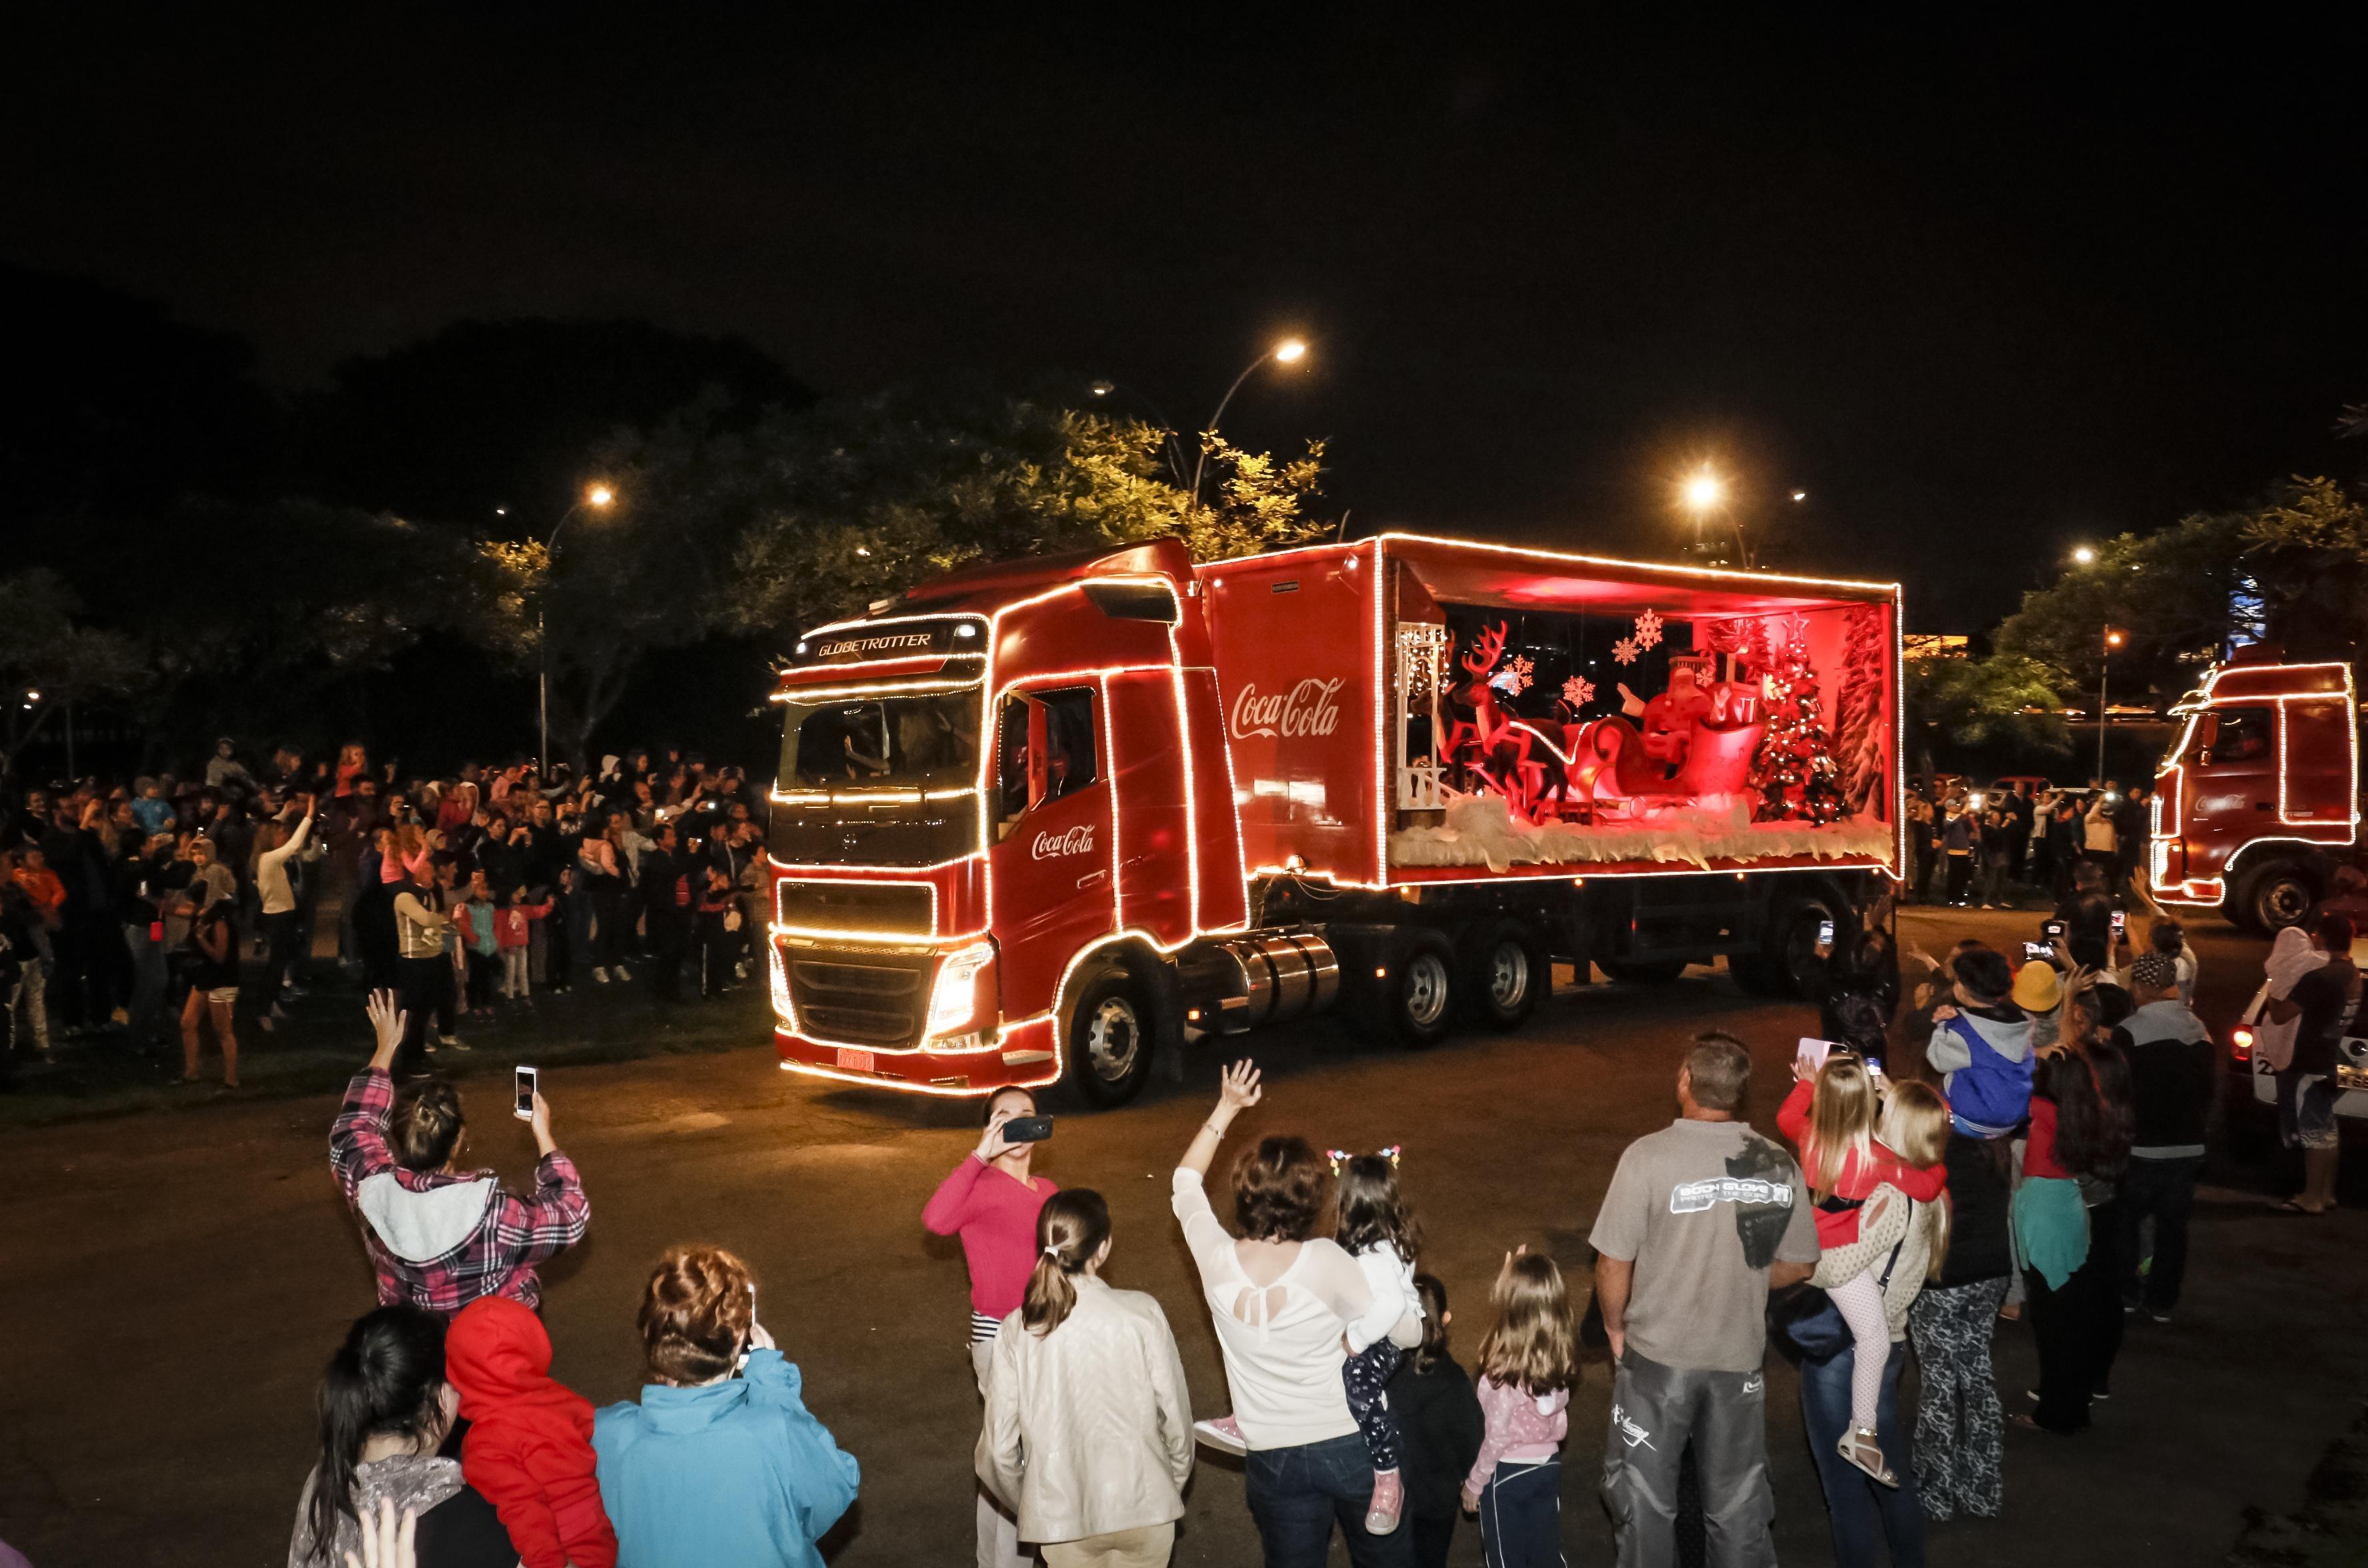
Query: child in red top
x,y
1831,1116
512,930
529,1448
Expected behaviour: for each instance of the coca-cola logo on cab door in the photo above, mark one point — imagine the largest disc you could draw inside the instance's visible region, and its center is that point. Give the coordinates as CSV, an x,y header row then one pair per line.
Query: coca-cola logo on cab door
x,y
1077,841
1307,709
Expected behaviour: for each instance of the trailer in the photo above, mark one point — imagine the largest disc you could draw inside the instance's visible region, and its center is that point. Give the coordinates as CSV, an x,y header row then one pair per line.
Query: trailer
x,y
2258,802
1058,818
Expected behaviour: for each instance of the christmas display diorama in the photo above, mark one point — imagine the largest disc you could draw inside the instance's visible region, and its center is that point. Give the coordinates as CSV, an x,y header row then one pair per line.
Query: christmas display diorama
x,y
1582,737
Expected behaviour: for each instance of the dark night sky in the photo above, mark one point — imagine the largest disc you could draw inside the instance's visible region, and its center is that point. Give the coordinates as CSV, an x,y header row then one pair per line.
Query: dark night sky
x,y
1981,294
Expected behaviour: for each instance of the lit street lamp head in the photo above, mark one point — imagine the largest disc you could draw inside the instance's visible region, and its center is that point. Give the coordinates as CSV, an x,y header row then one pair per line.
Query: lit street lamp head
x,y
2084,556
1290,351
598,495
1703,491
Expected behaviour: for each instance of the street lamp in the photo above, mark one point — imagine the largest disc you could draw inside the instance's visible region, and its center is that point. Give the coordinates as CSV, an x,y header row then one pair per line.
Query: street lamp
x,y
1702,492
2113,640
2084,556
599,497
1290,351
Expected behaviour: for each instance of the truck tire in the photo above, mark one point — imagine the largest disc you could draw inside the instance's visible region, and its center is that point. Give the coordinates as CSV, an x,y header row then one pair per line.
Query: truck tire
x,y
1505,971
1416,1000
1658,971
2276,895
1110,1037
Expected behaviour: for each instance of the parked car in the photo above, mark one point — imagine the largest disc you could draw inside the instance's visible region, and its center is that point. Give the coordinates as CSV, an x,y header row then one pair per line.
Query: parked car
x,y
2250,1102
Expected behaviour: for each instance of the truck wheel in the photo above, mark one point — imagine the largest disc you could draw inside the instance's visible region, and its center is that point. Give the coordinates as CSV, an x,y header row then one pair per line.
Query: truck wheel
x,y
1109,1037
1659,971
1415,1000
2278,895
1505,971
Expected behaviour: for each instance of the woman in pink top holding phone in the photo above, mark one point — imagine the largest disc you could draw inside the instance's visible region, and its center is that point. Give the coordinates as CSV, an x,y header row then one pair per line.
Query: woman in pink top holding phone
x,y
990,1201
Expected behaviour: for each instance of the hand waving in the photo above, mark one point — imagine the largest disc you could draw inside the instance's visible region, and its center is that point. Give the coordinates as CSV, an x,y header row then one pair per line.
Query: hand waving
x,y
1239,1088
387,1020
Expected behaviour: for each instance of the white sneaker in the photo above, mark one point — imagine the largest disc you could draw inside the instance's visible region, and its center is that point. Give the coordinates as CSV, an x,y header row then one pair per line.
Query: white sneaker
x,y
622,972
599,976
451,1039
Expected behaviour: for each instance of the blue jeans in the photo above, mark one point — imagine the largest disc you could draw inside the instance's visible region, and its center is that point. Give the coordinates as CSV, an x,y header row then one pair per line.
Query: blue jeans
x,y
1862,1513
1297,1494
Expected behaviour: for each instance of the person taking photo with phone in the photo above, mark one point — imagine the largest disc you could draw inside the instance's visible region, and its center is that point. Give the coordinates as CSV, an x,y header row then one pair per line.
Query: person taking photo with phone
x,y
440,1236
991,1200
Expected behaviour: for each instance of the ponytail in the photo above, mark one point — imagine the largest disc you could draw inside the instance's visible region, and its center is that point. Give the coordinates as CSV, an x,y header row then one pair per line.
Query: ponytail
x,y
384,1379
1070,1230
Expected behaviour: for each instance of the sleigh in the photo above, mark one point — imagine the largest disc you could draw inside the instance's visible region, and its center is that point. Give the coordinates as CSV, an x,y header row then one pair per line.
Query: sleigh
x,y
1610,766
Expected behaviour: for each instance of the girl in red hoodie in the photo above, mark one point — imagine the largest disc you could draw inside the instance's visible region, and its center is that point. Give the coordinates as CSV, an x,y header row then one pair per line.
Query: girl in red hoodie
x,y
1831,1116
529,1448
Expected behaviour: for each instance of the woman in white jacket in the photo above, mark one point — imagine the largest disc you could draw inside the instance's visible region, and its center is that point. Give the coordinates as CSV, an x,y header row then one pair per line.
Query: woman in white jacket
x,y
1089,1424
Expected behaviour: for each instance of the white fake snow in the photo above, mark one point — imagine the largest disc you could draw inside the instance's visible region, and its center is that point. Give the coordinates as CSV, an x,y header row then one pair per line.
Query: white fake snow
x,y
1481,830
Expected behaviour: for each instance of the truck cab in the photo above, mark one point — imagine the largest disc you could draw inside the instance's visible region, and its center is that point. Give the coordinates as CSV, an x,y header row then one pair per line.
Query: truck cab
x,y
2258,800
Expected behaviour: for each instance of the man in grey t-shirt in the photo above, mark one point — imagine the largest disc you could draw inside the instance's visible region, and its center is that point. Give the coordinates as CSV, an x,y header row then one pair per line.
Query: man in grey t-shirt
x,y
1702,1217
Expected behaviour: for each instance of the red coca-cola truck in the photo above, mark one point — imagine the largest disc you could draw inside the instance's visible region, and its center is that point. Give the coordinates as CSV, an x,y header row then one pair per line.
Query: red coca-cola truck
x,y
1056,817
2258,802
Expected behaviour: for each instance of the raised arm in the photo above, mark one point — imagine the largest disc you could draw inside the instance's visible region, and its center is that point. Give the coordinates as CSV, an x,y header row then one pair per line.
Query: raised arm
x,y
1238,1091
358,1148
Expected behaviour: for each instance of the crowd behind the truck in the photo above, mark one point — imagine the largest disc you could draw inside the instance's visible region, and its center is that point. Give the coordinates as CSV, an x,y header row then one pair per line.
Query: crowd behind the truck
x,y
1992,847
2038,1165
165,911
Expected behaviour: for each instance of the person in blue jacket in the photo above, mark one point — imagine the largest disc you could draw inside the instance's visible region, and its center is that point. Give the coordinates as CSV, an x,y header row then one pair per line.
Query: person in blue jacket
x,y
711,1467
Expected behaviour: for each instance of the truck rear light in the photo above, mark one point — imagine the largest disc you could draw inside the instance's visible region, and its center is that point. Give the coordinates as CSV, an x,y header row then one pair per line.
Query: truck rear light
x,y
964,991
2240,1045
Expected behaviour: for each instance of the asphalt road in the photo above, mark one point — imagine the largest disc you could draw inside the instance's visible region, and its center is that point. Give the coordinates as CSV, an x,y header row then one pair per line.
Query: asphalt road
x,y
174,1282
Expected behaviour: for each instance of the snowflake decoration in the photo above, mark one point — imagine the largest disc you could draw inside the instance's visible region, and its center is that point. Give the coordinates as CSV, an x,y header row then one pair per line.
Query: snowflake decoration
x,y
1578,691
1515,677
1626,651
1648,629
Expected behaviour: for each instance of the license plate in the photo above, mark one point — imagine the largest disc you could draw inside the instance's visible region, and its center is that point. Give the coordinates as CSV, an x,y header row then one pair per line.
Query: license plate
x,y
854,1061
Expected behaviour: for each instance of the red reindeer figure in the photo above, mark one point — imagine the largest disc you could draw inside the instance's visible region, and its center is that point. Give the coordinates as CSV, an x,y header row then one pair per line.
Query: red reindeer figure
x,y
1488,745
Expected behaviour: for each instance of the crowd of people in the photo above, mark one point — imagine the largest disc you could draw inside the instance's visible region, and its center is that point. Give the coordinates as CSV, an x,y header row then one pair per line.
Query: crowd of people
x,y
162,910
1970,847
2040,1169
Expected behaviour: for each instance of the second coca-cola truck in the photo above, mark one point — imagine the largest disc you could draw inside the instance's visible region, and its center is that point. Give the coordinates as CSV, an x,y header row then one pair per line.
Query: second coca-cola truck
x,y
1055,817
2258,802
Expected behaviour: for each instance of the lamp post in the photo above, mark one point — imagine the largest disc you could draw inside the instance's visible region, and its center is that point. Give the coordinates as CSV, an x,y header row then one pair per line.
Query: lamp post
x,y
1290,351
1704,492
2112,640
599,497
1171,443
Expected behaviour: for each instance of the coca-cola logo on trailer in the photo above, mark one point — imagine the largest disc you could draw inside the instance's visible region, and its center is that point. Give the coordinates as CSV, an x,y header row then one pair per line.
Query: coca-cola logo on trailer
x,y
1307,709
1077,841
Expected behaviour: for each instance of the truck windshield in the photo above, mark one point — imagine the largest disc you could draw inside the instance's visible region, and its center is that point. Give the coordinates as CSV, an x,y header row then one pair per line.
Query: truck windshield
x,y
922,741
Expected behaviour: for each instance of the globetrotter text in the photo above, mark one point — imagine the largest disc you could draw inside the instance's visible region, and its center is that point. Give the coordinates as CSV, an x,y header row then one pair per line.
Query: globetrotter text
x,y
1077,841
1308,708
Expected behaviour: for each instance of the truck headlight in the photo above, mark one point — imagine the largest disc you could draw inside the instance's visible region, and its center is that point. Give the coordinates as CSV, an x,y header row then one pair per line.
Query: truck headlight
x,y
779,975
965,989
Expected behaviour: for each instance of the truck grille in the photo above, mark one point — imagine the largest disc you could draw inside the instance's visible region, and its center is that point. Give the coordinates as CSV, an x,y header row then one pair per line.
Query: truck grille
x,y
874,999
901,909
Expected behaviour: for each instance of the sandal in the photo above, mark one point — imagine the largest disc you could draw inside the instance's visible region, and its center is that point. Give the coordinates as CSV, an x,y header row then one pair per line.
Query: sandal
x,y
1863,1449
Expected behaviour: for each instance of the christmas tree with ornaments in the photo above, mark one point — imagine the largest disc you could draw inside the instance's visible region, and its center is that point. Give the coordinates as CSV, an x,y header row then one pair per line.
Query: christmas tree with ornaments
x,y
1793,772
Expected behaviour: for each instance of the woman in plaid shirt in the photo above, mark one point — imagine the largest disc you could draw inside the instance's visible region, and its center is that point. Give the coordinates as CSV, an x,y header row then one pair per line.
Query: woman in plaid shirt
x,y
439,1237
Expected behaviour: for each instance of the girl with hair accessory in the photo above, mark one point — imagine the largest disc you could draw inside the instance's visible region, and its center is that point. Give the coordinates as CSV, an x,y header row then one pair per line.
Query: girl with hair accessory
x,y
1088,1432
1831,1116
1377,1228
1529,1364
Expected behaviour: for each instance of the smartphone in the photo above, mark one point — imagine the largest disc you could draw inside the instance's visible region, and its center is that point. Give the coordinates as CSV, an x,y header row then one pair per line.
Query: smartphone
x,y
1812,1053
1875,1068
2052,930
2121,922
525,1088
1824,933
1028,1130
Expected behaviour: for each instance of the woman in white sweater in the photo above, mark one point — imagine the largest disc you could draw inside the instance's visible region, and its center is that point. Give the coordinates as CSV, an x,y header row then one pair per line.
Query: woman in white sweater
x,y
1281,1299
1089,1424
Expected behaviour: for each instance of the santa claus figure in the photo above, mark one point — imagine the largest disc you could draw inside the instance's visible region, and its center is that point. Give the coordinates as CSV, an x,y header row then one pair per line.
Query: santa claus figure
x,y
1666,722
